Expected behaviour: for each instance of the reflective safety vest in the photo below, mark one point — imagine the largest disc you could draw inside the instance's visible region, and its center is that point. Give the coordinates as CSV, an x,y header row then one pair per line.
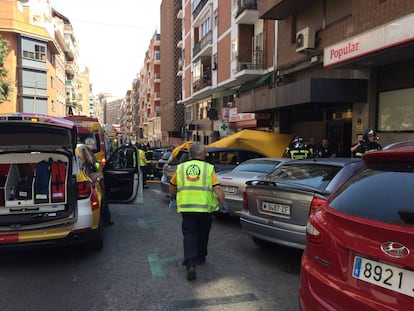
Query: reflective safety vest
x,y
142,158
194,187
299,154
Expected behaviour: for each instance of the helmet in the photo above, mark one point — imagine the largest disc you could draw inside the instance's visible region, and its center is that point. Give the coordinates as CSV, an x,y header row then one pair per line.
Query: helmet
x,y
368,132
297,142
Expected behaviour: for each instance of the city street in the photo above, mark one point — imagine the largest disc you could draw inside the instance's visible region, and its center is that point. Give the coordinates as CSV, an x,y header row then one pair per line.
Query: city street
x,y
140,268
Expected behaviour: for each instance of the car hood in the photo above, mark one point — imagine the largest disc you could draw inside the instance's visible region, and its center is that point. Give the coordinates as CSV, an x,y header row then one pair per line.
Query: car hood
x,y
33,132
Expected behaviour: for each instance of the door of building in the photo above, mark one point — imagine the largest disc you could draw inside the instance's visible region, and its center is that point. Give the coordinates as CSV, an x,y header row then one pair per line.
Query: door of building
x,y
340,137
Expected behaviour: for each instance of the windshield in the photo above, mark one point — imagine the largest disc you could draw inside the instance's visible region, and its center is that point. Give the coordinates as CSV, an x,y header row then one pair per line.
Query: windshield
x,y
316,176
256,166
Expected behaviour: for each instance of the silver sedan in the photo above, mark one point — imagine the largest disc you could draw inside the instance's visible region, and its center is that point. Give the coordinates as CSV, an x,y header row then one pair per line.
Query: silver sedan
x,y
233,182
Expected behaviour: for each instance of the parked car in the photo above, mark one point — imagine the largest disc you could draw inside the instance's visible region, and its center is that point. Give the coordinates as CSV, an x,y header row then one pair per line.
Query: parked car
x,y
276,208
51,188
359,253
159,163
233,182
223,159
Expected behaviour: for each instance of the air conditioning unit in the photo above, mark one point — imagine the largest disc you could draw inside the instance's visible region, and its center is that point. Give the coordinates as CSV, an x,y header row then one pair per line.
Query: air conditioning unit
x,y
305,39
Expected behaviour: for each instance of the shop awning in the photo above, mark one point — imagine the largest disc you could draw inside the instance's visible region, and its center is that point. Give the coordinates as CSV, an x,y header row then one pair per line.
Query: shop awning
x,y
252,84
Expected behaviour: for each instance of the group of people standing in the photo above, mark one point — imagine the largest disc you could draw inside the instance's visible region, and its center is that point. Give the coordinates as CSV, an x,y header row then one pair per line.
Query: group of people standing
x,y
299,149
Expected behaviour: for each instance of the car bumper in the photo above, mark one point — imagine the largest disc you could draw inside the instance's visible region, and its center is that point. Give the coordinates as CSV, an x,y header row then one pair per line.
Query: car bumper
x,y
319,291
266,229
46,238
165,185
235,206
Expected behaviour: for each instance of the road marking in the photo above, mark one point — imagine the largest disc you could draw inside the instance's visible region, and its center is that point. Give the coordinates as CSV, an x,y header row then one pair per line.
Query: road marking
x,y
199,303
156,264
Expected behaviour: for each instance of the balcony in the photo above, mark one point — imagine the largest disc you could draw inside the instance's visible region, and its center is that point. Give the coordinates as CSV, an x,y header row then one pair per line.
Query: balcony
x,y
199,7
201,84
157,78
251,61
204,47
247,12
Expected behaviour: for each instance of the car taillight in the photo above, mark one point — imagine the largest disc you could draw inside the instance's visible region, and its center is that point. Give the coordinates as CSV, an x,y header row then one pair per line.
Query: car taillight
x,y
103,162
316,204
94,200
315,231
245,202
84,189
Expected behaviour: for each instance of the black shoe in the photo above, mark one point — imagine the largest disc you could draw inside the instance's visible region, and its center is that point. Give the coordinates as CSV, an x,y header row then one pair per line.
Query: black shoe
x,y
145,187
200,261
191,273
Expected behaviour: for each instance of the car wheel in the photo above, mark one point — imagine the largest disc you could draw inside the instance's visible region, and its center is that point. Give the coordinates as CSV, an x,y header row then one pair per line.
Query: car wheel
x,y
262,243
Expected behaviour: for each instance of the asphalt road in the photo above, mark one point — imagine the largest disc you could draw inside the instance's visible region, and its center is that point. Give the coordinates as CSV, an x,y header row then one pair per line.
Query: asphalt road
x,y
140,268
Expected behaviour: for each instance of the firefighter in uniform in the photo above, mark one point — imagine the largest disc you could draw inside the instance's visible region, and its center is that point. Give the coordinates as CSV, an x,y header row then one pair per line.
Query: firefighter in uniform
x,y
150,163
197,190
299,150
368,143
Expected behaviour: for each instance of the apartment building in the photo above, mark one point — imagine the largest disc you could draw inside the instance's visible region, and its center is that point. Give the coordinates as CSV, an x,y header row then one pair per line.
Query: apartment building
x,y
41,59
227,50
344,66
172,112
148,97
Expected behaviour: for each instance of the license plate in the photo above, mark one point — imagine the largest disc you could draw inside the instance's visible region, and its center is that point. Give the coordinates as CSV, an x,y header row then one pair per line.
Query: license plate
x,y
386,276
276,208
229,189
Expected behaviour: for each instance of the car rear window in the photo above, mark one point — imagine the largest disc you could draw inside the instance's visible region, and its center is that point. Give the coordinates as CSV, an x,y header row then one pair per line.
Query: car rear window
x,y
383,192
312,175
256,166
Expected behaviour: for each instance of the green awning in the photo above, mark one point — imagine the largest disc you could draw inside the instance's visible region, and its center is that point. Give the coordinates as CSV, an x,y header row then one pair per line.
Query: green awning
x,y
252,84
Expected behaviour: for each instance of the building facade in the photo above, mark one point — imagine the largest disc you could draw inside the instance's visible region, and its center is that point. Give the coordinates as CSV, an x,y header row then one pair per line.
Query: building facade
x,y
41,59
343,66
226,49
148,97
172,113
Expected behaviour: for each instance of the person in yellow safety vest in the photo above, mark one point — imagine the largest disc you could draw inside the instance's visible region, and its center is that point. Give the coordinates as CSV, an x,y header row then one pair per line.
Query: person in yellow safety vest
x,y
198,192
299,150
143,165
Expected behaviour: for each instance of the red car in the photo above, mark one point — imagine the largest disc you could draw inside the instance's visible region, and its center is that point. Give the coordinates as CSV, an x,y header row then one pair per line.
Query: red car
x,y
360,244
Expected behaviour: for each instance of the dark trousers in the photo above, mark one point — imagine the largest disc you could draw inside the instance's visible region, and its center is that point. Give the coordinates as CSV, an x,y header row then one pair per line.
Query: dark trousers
x,y
196,229
144,170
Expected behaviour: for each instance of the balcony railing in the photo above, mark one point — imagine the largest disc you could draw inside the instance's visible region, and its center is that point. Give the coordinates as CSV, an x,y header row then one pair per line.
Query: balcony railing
x,y
205,41
201,84
245,5
199,7
255,62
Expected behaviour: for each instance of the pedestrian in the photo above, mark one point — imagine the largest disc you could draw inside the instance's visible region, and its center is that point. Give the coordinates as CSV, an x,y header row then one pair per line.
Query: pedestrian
x,y
143,164
369,143
198,192
325,150
355,146
298,149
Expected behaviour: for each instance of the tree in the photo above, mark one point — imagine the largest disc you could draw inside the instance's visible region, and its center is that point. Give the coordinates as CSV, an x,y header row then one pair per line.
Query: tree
x,y
5,84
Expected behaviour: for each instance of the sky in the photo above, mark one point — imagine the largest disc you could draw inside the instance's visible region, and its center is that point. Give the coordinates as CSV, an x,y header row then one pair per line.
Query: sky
x,y
113,36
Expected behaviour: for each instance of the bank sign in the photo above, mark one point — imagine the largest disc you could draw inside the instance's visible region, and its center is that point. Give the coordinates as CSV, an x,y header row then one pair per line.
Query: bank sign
x,y
395,33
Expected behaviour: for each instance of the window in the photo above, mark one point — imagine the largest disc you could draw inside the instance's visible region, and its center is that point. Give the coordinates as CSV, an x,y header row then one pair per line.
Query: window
x,y
157,55
395,110
205,27
39,53
234,49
